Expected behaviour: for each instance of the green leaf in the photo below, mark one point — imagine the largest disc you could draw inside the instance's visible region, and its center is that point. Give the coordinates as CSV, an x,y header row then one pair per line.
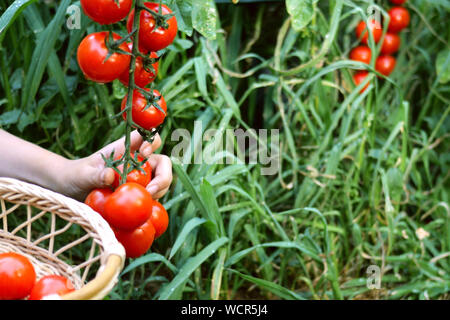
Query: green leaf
x,y
151,257
183,13
11,14
185,232
443,66
9,117
189,267
301,11
204,18
43,51
276,289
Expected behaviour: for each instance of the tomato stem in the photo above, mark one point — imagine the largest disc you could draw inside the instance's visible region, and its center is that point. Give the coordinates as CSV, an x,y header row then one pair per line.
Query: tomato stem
x,y
127,158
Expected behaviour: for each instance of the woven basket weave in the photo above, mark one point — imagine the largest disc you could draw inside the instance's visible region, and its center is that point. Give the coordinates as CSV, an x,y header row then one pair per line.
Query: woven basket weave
x,y
60,236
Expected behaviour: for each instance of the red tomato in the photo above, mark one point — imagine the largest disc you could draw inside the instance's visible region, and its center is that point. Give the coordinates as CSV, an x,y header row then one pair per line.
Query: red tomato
x,y
128,207
51,284
141,76
136,175
150,39
385,64
159,218
391,43
17,276
398,2
138,241
399,19
363,35
91,54
106,11
361,53
359,77
97,198
146,118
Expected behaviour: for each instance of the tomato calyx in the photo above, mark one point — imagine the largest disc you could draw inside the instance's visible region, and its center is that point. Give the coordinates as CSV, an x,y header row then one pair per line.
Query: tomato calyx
x,y
148,62
152,100
113,46
160,19
133,164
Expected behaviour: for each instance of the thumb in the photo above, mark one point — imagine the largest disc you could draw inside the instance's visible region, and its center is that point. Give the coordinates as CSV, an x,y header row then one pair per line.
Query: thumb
x,y
104,177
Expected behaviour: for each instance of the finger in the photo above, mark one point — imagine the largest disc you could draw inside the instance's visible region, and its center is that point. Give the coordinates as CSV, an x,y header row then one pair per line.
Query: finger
x,y
108,177
160,194
148,148
118,147
162,167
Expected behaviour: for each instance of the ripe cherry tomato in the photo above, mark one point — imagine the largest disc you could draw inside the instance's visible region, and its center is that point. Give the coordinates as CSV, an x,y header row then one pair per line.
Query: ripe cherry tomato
x,y
391,43
146,118
17,276
138,241
97,198
359,77
150,39
92,52
51,284
159,218
385,64
374,26
398,2
106,11
141,76
361,53
142,178
128,207
399,19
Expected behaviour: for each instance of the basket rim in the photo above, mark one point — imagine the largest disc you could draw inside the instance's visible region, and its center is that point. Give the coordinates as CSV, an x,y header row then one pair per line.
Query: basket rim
x,y
113,253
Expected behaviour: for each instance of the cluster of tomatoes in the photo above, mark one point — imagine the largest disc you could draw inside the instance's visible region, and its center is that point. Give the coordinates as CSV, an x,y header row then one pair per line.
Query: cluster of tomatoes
x,y
18,280
136,219
133,215
104,57
385,62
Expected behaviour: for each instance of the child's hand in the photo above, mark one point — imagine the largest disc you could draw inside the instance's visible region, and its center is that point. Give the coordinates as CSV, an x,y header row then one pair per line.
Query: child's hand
x,y
86,174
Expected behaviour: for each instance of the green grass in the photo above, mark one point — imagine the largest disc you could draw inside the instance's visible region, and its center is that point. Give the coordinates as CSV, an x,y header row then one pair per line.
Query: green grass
x,y
361,174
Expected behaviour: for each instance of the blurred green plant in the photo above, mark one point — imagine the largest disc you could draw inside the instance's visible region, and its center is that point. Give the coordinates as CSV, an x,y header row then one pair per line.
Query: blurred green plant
x,y
364,178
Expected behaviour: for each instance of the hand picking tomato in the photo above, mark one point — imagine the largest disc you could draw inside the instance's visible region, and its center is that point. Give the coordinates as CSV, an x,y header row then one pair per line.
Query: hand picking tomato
x,y
399,19
147,118
138,241
359,77
385,64
398,2
361,53
150,39
391,43
106,11
97,198
51,284
374,27
141,76
142,178
91,56
128,207
159,218
17,276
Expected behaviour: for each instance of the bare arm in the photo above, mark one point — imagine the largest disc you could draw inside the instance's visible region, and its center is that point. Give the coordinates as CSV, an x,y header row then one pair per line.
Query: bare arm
x,y
76,178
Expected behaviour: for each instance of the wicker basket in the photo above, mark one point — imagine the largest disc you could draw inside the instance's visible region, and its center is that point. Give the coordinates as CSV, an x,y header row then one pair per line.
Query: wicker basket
x,y
60,236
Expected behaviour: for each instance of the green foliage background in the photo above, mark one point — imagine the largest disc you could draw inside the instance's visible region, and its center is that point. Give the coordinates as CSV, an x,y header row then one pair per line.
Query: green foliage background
x,y
362,175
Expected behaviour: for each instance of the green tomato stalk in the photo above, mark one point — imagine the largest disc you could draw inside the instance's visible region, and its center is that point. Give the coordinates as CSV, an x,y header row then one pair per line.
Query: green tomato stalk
x,y
131,87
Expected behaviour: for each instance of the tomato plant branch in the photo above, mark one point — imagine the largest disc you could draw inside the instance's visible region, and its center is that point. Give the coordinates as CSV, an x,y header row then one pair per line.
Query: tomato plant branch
x,y
127,158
